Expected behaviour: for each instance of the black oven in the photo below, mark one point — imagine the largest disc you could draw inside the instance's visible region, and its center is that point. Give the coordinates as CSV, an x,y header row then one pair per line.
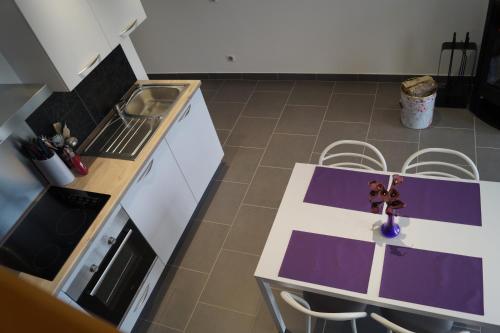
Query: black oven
x,y
116,280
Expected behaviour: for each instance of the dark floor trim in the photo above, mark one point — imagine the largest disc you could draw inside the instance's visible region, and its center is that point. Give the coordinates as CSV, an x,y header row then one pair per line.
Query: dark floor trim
x,y
282,76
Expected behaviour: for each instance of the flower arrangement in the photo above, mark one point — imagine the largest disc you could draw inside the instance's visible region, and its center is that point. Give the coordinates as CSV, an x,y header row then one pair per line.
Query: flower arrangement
x,y
379,195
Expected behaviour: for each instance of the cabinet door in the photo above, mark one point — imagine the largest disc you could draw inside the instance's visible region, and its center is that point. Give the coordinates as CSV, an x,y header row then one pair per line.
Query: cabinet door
x,y
160,202
195,145
69,34
118,18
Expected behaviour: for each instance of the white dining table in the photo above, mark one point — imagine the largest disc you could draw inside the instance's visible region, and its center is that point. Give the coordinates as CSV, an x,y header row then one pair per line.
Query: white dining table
x,y
467,240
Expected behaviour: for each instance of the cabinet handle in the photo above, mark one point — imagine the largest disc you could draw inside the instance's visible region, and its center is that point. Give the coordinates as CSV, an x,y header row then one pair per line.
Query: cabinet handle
x,y
143,298
128,28
186,113
91,64
147,171
113,259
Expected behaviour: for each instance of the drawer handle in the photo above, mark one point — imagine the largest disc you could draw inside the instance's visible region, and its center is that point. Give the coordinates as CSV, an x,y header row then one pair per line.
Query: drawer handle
x,y
143,298
186,113
91,64
147,171
128,28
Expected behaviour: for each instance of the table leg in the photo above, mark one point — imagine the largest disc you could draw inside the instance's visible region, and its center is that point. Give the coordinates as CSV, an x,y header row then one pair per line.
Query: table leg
x,y
272,305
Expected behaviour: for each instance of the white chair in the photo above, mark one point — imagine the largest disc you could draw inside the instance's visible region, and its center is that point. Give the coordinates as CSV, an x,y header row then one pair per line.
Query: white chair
x,y
422,322
300,304
326,156
410,164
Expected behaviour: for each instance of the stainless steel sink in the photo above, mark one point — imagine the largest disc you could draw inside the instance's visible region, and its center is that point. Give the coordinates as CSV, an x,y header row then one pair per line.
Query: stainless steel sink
x,y
151,100
134,120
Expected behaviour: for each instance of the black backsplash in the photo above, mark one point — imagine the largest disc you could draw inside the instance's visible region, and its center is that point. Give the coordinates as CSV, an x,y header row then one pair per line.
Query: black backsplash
x,y
84,107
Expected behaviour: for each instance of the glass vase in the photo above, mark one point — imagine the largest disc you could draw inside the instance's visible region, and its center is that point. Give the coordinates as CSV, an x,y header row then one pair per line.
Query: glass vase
x,y
390,229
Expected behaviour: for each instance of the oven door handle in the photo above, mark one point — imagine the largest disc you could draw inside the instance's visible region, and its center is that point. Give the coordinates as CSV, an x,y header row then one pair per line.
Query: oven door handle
x,y
103,276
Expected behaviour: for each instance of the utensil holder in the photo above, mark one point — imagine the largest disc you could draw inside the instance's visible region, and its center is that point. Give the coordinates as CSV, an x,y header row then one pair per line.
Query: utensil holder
x,y
54,169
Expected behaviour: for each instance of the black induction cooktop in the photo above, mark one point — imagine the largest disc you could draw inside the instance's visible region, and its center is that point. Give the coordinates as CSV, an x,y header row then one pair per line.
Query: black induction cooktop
x,y
42,241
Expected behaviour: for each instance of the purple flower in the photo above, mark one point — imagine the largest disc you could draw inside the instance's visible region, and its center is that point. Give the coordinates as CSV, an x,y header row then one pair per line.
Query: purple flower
x,y
397,204
384,195
373,185
396,180
393,194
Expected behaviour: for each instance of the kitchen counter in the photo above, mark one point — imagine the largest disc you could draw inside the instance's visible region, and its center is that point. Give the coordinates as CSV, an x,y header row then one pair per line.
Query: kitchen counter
x,y
113,177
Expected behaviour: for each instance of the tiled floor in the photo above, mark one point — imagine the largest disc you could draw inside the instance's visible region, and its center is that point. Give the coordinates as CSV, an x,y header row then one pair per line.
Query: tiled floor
x,y
265,127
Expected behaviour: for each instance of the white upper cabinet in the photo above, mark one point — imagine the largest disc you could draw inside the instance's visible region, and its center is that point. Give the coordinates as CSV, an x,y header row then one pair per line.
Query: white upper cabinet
x,y
70,35
118,18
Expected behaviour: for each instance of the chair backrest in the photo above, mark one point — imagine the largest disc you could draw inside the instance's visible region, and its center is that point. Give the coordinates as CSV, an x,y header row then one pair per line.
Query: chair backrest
x,y
300,304
391,327
394,328
328,158
410,164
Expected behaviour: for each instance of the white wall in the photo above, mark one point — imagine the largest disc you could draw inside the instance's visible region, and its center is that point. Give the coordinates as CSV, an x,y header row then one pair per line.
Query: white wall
x,y
302,36
7,74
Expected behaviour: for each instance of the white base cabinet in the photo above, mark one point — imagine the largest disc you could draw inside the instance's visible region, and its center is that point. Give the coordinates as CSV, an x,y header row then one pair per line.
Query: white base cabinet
x,y
160,202
195,145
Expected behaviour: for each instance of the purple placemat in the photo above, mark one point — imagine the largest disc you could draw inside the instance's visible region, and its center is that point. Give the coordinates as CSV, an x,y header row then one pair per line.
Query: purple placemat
x,y
329,261
442,280
342,188
441,200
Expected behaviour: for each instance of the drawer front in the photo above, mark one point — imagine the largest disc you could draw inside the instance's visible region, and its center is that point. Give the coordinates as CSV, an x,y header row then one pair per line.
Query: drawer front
x,y
142,296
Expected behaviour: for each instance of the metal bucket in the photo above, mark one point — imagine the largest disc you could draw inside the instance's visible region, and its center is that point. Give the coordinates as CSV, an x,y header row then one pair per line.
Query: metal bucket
x,y
417,112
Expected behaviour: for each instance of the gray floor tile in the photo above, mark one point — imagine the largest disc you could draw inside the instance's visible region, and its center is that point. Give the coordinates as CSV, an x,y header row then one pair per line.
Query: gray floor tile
x,y
294,320
347,107
143,326
486,135
267,187
488,161
301,119
386,125
388,95
239,164
223,114
311,93
355,87
211,84
334,131
275,85
210,319
395,153
177,298
285,150
235,91
232,285
201,246
490,330
453,117
250,229
252,132
208,95
456,139
266,104
222,134
314,158
221,202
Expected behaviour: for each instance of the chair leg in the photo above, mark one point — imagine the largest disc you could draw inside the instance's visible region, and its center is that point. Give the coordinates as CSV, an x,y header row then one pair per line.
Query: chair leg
x,y
353,326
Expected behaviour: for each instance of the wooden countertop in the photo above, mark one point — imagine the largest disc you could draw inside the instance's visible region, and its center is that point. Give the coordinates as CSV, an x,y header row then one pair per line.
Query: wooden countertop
x,y
113,177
